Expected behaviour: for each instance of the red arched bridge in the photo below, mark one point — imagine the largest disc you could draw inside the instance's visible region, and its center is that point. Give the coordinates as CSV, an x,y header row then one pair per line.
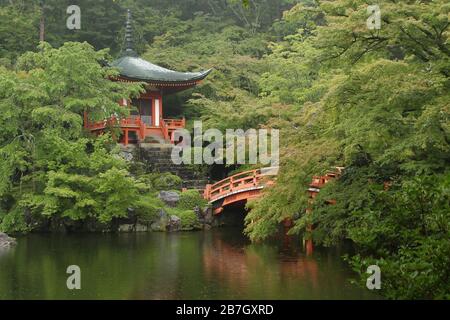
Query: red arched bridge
x,y
239,188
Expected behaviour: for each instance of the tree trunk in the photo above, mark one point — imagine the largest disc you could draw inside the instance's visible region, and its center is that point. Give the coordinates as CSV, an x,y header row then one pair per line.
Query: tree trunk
x,y
42,23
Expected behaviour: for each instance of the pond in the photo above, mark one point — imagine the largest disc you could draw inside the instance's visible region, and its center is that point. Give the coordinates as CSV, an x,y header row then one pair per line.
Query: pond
x,y
215,264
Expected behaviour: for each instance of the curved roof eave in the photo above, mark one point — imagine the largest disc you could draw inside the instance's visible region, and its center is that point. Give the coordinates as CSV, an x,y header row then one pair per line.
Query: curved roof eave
x,y
135,68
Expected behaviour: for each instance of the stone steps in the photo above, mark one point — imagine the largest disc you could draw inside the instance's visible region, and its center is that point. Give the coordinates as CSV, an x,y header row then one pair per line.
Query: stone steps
x,y
195,184
158,158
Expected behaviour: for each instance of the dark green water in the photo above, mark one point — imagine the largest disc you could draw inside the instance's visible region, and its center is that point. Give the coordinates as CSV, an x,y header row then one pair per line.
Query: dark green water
x,y
217,264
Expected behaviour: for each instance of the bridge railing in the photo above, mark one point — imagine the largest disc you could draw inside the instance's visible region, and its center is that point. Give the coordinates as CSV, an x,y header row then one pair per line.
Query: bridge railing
x,y
237,182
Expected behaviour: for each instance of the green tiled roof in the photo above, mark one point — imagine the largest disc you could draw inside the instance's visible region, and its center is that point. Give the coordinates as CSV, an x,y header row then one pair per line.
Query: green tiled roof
x,y
136,68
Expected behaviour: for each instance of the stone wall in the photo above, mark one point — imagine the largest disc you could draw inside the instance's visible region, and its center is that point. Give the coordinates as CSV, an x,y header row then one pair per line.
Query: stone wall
x,y
158,158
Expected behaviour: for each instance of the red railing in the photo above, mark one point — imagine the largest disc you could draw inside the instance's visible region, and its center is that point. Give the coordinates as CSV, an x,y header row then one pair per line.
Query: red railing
x,y
135,123
165,129
241,181
318,182
96,125
170,125
175,123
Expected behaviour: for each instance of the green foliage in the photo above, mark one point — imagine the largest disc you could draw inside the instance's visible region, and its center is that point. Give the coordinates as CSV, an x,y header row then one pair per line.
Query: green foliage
x,y
418,273
228,97
147,208
408,236
162,181
189,220
13,221
190,199
49,166
375,102
18,32
103,21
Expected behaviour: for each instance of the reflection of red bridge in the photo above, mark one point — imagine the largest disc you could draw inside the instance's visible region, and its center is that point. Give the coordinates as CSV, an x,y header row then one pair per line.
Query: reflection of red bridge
x,y
238,188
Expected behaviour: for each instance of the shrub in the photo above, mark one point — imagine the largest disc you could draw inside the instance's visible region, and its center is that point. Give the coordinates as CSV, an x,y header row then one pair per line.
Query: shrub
x,y
191,199
164,181
147,208
189,220
13,222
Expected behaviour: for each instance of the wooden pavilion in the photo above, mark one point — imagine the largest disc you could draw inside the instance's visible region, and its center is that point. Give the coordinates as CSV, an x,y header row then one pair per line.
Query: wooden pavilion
x,y
147,115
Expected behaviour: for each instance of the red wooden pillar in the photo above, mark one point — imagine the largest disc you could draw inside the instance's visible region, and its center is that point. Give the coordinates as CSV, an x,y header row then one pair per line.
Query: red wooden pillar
x,y
161,115
207,192
126,136
142,130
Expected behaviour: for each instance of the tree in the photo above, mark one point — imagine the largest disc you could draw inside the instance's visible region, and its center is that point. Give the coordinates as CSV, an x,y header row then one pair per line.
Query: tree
x,y
349,101
18,32
49,166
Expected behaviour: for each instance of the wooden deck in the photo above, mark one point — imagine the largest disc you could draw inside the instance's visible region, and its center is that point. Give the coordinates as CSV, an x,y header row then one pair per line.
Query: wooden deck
x,y
136,124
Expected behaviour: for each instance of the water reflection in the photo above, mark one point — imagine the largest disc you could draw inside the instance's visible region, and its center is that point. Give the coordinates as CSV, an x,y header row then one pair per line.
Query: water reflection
x,y
271,272
218,264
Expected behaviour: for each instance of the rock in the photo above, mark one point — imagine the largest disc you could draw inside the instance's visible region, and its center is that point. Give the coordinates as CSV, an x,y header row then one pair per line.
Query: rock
x,y
6,241
141,228
161,223
126,228
208,215
127,156
163,215
198,212
57,225
174,224
93,225
171,198
207,227
127,152
157,227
